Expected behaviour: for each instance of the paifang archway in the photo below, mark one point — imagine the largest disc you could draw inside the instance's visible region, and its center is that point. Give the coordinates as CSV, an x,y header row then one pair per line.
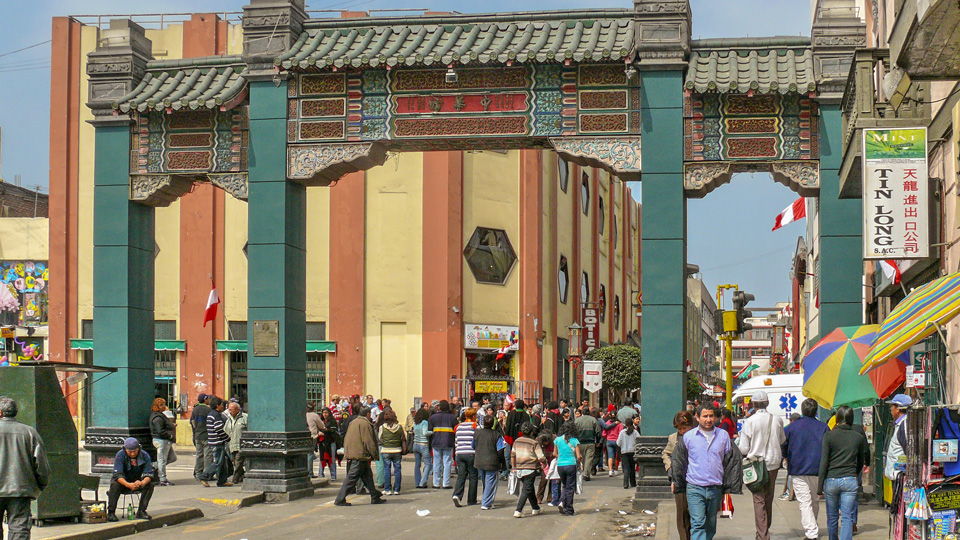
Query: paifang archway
x,y
313,99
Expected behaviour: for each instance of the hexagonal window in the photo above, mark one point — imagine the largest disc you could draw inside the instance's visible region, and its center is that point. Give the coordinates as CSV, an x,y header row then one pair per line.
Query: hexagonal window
x,y
490,255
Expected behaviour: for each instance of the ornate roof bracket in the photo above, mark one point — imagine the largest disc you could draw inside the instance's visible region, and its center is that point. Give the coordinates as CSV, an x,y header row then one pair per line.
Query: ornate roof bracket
x,y
702,177
159,189
233,183
324,164
619,156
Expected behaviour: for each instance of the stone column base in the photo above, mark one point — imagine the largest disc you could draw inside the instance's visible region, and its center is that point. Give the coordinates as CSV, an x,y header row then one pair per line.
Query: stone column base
x,y
653,485
276,463
104,443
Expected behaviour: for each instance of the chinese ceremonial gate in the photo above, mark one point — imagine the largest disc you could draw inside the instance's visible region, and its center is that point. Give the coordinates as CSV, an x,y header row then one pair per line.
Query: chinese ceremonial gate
x,y
311,100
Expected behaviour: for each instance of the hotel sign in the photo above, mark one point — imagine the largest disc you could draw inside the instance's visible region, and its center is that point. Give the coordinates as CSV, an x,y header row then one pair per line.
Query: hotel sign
x,y
895,194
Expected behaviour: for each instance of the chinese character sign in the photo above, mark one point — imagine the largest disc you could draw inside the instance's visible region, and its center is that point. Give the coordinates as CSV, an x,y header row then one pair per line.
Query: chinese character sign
x,y
895,194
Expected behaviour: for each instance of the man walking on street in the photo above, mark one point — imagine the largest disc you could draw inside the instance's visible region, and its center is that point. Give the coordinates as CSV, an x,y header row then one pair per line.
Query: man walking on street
x,y
360,448
587,433
315,425
705,464
198,422
26,471
217,438
235,424
442,424
801,447
761,436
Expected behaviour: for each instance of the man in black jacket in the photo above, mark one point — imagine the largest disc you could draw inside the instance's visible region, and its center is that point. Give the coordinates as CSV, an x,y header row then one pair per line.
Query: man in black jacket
x,y
198,421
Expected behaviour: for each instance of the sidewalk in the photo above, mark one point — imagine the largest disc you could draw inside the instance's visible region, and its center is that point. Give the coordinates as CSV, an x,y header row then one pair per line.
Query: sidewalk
x,y
187,499
872,522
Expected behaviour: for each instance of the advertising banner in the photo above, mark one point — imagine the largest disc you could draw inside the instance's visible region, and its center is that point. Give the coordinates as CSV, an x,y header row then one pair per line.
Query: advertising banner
x,y
592,375
491,336
895,194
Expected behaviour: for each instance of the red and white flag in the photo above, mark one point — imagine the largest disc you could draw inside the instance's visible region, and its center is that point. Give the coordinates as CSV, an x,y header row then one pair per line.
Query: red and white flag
x,y
212,302
891,270
795,211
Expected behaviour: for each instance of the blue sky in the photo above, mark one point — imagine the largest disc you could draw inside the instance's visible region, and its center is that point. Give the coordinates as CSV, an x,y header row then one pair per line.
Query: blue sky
x,y
729,231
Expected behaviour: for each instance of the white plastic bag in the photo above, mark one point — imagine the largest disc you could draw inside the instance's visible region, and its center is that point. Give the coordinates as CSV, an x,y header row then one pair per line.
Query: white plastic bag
x,y
552,473
513,483
579,481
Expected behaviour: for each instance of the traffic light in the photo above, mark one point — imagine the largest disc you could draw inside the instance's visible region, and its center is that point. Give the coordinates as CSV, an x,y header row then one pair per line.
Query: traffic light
x,y
740,301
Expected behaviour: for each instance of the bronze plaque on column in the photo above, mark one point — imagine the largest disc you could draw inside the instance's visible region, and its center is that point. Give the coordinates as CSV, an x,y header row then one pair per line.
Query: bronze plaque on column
x,y
266,338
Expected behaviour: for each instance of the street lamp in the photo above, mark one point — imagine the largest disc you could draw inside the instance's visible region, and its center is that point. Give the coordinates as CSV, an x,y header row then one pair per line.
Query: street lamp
x,y
574,351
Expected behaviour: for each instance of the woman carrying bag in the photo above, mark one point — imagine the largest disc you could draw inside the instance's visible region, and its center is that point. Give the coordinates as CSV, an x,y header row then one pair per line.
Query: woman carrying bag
x,y
568,458
527,460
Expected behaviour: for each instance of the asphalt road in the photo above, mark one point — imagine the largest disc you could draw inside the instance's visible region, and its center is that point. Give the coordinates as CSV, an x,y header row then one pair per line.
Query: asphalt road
x,y
598,509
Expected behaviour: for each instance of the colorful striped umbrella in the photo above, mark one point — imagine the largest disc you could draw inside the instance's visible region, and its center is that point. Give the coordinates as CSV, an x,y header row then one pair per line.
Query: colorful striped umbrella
x,y
831,370
914,319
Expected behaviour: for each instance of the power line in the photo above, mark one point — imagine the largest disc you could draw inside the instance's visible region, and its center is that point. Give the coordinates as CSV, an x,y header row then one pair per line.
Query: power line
x,y
751,259
24,69
25,48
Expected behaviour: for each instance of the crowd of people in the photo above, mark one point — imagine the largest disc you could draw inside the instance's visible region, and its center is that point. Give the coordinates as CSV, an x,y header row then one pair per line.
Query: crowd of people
x,y
470,448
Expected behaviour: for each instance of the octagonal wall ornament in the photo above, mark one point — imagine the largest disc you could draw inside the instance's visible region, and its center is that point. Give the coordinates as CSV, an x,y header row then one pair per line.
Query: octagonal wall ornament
x,y
490,256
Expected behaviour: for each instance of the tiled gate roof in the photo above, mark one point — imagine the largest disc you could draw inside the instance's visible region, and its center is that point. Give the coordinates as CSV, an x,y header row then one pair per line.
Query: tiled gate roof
x,y
766,65
191,83
579,36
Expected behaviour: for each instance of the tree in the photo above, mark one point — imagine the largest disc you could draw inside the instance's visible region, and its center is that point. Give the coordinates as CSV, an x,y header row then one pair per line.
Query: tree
x,y
693,386
621,367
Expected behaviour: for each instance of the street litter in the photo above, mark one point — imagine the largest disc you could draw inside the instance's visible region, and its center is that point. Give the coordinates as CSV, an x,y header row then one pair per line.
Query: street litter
x,y
423,513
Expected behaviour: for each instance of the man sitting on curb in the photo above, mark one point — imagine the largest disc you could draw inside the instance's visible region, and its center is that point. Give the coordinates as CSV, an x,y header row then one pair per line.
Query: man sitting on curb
x,y
132,473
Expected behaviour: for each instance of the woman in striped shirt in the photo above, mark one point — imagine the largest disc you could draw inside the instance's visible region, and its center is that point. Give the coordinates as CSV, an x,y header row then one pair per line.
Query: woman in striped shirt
x,y
465,453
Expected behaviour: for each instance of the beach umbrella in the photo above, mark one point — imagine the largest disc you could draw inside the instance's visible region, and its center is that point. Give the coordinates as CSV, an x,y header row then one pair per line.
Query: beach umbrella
x,y
914,319
831,370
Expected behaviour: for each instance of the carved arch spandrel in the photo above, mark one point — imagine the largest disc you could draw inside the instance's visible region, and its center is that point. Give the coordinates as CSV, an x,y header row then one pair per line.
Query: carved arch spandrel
x,y
162,189
702,177
619,156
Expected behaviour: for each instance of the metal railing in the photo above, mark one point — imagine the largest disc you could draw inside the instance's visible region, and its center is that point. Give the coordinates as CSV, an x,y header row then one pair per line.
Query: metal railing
x,y
159,21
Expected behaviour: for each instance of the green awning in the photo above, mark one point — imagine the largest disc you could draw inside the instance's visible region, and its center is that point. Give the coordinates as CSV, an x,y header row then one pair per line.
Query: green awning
x,y
312,346
158,345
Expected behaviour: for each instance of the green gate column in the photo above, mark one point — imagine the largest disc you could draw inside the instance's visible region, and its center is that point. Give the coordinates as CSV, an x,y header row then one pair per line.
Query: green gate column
x,y
123,290
664,249
277,442
841,243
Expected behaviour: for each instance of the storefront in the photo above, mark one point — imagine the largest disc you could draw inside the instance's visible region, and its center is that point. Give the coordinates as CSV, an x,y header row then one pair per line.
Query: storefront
x,y
491,361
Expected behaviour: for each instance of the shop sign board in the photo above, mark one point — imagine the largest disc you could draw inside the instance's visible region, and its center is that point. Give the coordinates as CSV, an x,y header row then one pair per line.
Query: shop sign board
x,y
895,194
591,329
592,375
490,336
488,387
945,498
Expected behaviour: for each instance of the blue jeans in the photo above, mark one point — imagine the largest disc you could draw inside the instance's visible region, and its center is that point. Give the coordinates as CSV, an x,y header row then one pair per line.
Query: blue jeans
x,y
703,504
841,496
442,463
490,481
332,449
218,469
391,465
163,446
568,485
421,454
555,492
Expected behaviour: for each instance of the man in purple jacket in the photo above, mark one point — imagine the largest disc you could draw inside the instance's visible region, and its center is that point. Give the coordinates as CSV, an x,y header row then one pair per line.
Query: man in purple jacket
x,y
804,441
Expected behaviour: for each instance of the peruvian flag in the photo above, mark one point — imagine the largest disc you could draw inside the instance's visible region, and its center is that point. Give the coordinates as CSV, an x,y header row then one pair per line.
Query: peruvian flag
x,y
212,302
500,353
891,270
795,211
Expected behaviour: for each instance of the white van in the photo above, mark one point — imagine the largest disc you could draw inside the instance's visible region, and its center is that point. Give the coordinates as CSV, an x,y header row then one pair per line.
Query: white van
x,y
785,393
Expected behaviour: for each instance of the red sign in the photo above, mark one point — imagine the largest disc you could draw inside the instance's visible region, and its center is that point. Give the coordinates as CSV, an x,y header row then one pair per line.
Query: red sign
x,y
461,103
591,329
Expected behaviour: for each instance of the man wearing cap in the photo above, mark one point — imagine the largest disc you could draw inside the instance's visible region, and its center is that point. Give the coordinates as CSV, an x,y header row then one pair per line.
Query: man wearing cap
x,y
762,436
132,473
896,459
198,421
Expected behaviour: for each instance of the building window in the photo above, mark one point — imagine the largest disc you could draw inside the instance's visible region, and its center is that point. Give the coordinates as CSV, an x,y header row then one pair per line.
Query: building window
x,y
165,376
316,331
165,330
238,376
490,255
616,311
602,303
602,217
563,280
563,172
585,194
563,368
615,232
317,378
584,288
237,330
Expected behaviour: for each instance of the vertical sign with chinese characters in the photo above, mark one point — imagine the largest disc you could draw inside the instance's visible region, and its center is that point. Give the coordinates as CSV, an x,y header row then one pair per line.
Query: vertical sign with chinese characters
x,y
895,194
591,329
